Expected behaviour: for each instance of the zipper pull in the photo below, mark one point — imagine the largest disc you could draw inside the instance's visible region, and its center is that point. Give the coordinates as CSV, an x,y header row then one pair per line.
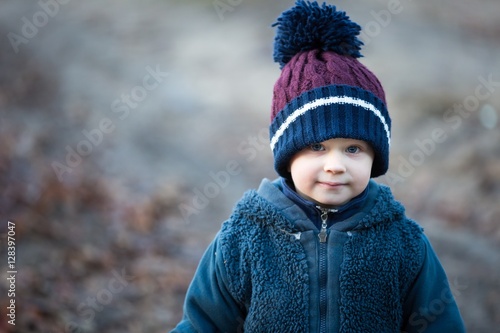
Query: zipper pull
x,y
322,233
324,217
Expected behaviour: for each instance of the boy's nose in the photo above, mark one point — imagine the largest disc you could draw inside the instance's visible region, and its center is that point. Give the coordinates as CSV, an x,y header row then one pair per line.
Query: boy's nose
x,y
334,162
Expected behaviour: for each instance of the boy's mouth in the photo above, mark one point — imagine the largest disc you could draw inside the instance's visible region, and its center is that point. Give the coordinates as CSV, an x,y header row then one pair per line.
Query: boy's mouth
x,y
331,184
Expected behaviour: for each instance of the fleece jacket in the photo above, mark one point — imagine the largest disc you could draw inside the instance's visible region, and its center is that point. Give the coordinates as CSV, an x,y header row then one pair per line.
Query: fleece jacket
x,y
268,271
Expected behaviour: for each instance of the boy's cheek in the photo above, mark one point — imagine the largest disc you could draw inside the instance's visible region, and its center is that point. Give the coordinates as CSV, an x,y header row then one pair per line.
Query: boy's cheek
x,y
289,169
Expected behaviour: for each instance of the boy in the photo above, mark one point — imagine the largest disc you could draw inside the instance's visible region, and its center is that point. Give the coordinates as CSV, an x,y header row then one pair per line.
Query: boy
x,y
323,248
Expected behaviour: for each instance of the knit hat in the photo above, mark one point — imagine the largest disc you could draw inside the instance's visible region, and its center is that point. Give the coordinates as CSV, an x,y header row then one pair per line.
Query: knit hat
x,y
323,91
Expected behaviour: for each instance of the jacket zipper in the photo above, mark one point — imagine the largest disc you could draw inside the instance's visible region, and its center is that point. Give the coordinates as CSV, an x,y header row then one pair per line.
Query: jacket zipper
x,y
324,218
323,277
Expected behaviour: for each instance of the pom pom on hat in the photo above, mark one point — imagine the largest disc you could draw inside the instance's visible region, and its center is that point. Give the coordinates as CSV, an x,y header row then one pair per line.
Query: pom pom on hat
x,y
307,26
323,91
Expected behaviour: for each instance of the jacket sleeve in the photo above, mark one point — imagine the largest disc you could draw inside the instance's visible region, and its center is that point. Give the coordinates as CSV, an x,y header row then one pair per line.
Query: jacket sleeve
x,y
430,306
209,305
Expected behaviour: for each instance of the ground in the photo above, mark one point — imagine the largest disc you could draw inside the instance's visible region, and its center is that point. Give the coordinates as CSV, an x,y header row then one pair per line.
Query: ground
x,y
129,129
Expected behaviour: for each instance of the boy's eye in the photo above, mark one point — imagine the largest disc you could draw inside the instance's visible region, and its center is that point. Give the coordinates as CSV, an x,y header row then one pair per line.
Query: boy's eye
x,y
352,149
317,147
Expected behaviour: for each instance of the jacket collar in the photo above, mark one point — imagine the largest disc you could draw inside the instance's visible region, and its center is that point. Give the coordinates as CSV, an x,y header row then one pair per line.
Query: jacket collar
x,y
378,195
313,211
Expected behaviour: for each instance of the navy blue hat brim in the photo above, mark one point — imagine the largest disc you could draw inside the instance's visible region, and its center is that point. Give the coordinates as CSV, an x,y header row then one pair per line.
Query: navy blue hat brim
x,y
335,111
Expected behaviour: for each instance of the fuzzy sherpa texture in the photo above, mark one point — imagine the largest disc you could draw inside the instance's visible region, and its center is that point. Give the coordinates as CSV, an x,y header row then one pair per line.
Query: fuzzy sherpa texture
x,y
268,274
267,270
380,262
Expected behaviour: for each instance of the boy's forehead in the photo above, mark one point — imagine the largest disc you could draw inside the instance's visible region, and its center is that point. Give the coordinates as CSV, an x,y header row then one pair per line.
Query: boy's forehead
x,y
344,140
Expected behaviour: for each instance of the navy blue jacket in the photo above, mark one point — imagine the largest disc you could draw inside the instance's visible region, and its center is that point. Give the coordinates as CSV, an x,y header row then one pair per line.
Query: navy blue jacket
x,y
268,271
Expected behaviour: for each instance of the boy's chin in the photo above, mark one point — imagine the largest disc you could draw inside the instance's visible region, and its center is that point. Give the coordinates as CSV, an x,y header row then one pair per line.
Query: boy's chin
x,y
329,203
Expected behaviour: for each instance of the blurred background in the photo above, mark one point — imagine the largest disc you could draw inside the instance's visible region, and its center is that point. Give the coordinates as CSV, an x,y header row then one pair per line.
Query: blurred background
x,y
129,129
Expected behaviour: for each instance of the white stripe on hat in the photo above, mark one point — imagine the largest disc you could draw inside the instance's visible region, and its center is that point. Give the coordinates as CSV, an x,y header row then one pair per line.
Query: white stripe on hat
x,y
329,101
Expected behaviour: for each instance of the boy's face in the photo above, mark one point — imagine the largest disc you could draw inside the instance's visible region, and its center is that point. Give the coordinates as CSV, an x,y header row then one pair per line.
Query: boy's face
x,y
332,172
